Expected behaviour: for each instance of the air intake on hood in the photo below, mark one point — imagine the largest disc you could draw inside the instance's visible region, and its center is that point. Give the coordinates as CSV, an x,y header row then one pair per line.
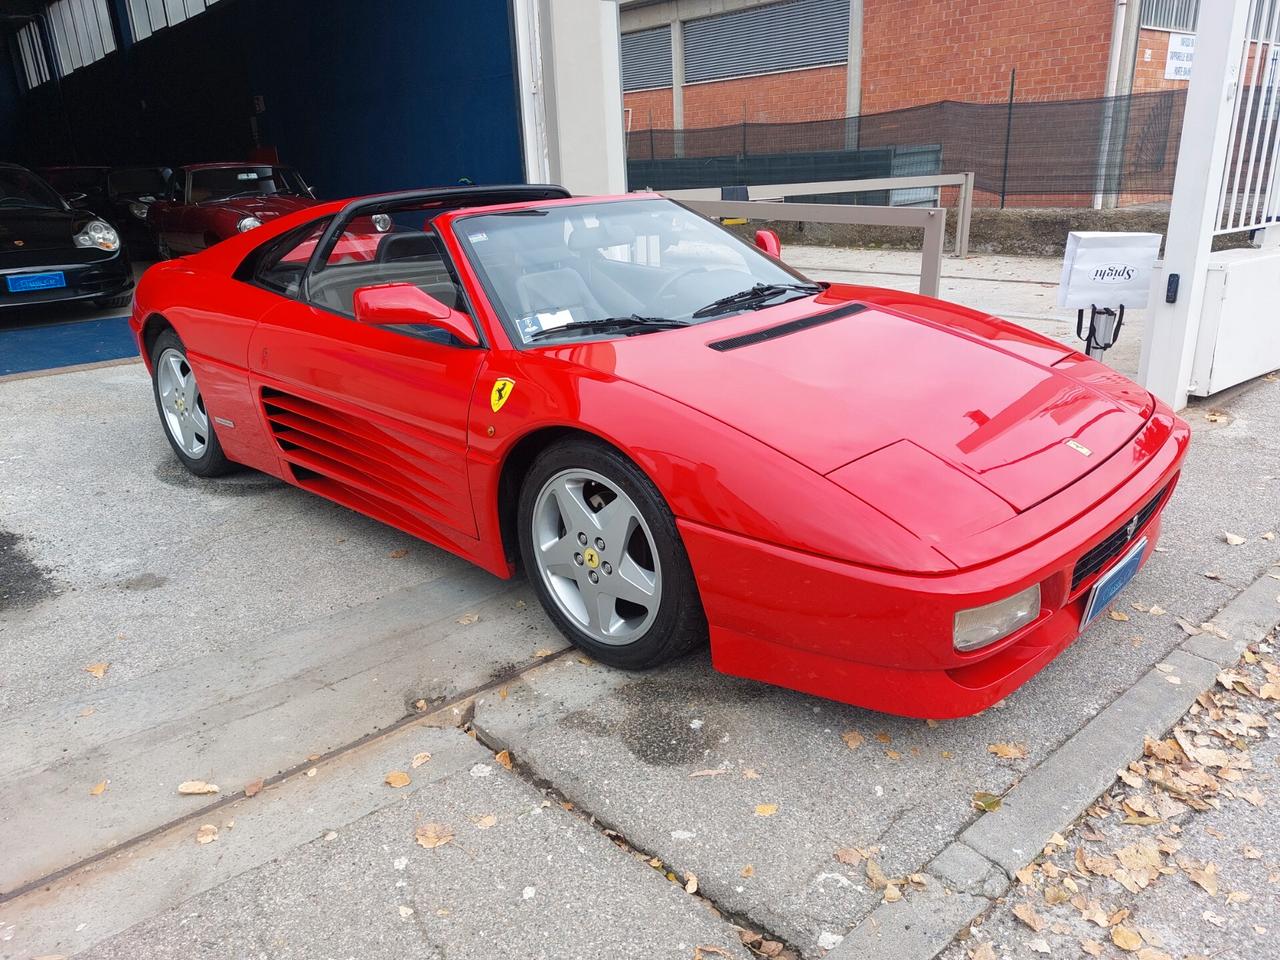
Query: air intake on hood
x,y
785,329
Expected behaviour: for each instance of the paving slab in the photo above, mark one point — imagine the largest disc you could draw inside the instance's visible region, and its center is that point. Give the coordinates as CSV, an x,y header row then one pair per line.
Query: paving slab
x,y
328,866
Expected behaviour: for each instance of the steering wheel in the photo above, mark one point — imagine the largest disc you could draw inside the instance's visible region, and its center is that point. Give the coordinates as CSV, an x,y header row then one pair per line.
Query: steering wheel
x,y
662,290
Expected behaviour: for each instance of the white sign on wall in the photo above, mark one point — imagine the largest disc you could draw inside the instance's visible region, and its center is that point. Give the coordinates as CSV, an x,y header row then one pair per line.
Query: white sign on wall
x,y
1182,56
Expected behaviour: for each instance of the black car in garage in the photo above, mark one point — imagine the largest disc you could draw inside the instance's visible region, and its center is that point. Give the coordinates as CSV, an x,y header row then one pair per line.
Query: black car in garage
x,y
120,195
50,251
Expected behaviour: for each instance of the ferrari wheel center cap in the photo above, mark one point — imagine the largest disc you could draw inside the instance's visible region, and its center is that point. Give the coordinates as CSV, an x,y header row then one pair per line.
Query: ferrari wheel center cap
x,y
591,558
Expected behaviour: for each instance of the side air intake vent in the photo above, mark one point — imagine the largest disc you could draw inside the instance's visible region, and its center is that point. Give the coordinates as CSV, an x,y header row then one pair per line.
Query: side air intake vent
x,y
786,329
360,464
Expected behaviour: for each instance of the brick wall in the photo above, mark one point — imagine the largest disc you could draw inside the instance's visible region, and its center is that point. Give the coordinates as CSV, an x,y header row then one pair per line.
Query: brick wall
x,y
814,94
917,52
649,108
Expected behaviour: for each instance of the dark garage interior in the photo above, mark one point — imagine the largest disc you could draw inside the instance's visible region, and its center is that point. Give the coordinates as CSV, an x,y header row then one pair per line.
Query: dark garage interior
x,y
360,97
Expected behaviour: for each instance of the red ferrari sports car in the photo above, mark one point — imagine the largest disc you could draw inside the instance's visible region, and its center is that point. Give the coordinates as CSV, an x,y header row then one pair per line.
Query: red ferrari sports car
x,y
868,495
209,202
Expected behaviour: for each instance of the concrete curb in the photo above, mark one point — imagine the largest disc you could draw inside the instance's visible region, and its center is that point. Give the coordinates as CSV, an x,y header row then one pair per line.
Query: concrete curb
x,y
978,867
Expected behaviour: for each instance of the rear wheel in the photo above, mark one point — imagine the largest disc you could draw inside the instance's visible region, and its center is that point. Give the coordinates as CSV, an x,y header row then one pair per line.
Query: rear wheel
x,y
602,552
162,248
182,410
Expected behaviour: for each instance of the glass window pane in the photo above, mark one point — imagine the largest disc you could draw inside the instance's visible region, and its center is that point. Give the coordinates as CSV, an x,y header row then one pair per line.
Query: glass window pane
x,y
175,11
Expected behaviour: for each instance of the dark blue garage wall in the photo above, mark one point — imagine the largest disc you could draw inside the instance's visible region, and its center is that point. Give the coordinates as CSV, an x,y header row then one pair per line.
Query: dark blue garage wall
x,y
361,95
8,102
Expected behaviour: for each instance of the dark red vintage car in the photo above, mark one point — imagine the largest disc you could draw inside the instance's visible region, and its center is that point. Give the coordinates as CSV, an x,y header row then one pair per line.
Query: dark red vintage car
x,y
208,202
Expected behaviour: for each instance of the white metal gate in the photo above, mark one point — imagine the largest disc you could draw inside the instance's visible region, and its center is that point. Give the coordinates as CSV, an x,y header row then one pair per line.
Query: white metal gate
x,y
1216,322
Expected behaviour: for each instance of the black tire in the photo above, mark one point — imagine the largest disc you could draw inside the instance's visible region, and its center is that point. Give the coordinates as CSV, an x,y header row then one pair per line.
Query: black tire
x,y
212,462
162,249
113,302
680,625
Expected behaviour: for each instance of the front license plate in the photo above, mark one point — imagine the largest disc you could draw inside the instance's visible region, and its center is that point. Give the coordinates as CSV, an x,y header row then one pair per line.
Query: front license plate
x,y
1112,582
28,282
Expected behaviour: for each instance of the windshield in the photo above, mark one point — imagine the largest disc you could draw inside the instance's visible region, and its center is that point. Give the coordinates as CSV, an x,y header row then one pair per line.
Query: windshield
x,y
21,188
552,271
223,183
75,179
136,180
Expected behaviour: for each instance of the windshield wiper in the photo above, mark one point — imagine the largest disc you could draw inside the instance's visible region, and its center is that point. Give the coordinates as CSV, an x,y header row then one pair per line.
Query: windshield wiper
x,y
754,297
634,323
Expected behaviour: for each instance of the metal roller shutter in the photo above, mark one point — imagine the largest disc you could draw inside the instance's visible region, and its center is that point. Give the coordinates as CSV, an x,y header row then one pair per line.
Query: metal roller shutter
x,y
780,36
646,59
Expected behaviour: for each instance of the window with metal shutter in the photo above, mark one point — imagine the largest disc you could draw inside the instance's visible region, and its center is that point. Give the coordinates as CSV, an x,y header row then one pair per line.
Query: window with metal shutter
x,y
790,35
1179,15
646,59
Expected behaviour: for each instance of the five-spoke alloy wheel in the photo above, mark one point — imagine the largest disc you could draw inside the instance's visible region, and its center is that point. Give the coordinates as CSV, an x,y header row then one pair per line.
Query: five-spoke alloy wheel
x,y
602,552
182,408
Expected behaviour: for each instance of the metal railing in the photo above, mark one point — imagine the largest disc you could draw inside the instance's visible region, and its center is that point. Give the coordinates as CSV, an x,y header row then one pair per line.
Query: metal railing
x,y
932,220
777,191
1248,199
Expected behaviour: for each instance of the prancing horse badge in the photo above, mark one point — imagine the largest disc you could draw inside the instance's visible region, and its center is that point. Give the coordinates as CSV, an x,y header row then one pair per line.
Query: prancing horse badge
x,y
500,393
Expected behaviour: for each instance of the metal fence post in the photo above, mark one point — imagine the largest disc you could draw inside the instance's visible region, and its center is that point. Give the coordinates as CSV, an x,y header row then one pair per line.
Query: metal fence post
x,y
1008,137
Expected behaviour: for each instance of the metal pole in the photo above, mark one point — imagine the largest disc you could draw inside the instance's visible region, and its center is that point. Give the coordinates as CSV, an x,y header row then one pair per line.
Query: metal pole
x,y
1008,137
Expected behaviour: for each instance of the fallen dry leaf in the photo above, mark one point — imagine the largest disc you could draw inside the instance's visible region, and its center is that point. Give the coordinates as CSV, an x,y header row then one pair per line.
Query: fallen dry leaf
x,y
98,788
485,822
397,779
86,712
750,774
253,788
98,670
703,951
853,739
196,788
544,652
1092,947
1027,914
207,833
419,759
1008,751
983,951
749,870
1126,938
891,893
1156,610
1234,539
713,772
875,876
690,883
850,856
468,618
398,554
504,758
1118,615
1205,877
1039,945
986,802
432,835
766,809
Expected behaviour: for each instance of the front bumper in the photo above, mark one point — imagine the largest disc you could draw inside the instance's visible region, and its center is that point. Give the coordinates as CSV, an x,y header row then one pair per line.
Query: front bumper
x,y
883,640
97,280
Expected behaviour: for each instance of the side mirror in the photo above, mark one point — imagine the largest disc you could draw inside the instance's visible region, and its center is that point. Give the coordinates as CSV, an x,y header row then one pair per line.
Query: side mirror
x,y
392,303
768,241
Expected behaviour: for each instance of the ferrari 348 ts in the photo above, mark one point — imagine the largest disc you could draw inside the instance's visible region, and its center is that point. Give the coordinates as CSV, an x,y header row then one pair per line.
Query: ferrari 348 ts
x,y
863,494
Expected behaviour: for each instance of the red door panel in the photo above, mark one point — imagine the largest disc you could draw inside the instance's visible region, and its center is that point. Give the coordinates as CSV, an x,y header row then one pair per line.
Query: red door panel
x,y
368,415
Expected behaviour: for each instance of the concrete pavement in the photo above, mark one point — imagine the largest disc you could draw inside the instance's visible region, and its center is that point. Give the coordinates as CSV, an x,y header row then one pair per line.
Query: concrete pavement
x,y
249,627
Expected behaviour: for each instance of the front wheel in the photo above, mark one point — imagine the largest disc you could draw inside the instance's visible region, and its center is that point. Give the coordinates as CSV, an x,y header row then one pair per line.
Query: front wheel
x,y
183,414
601,549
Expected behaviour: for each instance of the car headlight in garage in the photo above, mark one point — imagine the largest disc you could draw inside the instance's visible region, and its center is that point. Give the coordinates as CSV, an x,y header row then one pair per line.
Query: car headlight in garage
x,y
977,627
139,210
98,234
248,223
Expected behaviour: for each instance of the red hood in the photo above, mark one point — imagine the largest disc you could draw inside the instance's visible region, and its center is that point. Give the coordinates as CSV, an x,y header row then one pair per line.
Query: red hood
x,y
264,208
965,391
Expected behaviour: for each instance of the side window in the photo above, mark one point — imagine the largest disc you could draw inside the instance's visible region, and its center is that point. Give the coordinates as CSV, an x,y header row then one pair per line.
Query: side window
x,y
278,264
395,248
178,187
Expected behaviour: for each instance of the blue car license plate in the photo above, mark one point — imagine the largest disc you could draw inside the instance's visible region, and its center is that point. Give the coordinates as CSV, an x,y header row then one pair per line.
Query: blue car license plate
x,y
29,282
1112,582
